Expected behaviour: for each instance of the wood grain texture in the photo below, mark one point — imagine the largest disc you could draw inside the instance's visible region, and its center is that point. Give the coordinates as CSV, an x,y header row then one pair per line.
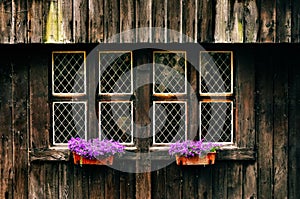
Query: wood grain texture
x,y
221,33
35,21
143,20
159,17
295,21
111,21
96,21
81,30
284,21
205,21
251,23
267,21
6,23
174,21
189,20
127,21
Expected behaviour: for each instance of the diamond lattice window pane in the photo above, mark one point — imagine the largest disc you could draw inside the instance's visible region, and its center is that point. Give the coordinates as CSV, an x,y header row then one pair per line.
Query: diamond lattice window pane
x,y
169,122
115,72
169,72
68,73
216,121
69,120
116,121
216,73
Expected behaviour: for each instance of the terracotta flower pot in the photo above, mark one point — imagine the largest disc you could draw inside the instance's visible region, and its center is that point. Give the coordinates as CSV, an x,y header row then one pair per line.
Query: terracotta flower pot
x,y
81,160
196,160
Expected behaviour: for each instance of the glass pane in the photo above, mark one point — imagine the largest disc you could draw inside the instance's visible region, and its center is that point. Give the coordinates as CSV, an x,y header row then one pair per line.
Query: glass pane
x,y
69,120
68,73
170,122
169,72
216,120
115,72
215,73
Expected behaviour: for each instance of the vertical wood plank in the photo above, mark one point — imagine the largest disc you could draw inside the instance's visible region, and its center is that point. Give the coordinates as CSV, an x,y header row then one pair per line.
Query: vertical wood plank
x,y
143,20
65,186
234,181
35,21
295,21
39,108
221,21
37,181
158,184
267,21
205,22
127,20
219,188
96,183
281,127
6,28
65,21
189,20
264,74
111,20
20,125
174,182
6,161
205,184
174,21
294,126
236,22
80,18
189,184
112,184
159,16
21,21
51,180
251,25
96,21
50,21
245,106
127,185
284,21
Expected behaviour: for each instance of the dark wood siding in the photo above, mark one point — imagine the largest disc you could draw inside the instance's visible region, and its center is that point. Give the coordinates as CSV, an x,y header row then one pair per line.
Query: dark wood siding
x,y
94,21
267,102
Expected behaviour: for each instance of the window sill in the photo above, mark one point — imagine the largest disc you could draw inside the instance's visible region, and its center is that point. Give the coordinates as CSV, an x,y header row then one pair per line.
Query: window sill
x,y
59,154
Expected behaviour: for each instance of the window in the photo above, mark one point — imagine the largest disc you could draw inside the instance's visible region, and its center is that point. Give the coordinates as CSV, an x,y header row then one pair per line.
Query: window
x,y
144,89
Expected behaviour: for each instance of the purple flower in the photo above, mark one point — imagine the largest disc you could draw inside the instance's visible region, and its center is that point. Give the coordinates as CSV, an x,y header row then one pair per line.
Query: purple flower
x,y
95,148
191,148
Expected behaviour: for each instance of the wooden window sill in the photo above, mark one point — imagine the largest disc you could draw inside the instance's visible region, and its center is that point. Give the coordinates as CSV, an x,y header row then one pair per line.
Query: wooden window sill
x,y
242,154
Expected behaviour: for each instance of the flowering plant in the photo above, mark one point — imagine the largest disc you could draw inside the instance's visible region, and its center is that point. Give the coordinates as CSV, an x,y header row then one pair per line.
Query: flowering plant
x,y
191,148
94,148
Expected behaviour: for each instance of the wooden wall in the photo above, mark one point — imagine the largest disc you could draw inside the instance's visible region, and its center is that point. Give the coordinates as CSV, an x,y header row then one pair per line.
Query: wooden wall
x,y
94,21
267,96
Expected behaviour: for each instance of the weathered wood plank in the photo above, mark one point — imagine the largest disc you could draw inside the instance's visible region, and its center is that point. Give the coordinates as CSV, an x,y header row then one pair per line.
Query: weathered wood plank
x,y
51,180
158,183
281,128
35,21
295,21
112,184
221,33
189,184
37,181
127,21
50,22
205,23
174,181
267,21
265,112
219,188
159,17
249,180
65,180
20,21
251,25
236,22
65,21
81,30
237,154
20,126
189,20
49,155
284,21
7,156
205,183
174,21
234,180
96,21
96,183
294,126
39,108
127,185
143,20
111,20
6,25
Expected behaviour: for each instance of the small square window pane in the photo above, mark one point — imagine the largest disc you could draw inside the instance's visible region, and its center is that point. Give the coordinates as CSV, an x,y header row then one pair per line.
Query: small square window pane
x,y
216,73
68,73
116,121
216,122
69,120
169,122
115,72
169,72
